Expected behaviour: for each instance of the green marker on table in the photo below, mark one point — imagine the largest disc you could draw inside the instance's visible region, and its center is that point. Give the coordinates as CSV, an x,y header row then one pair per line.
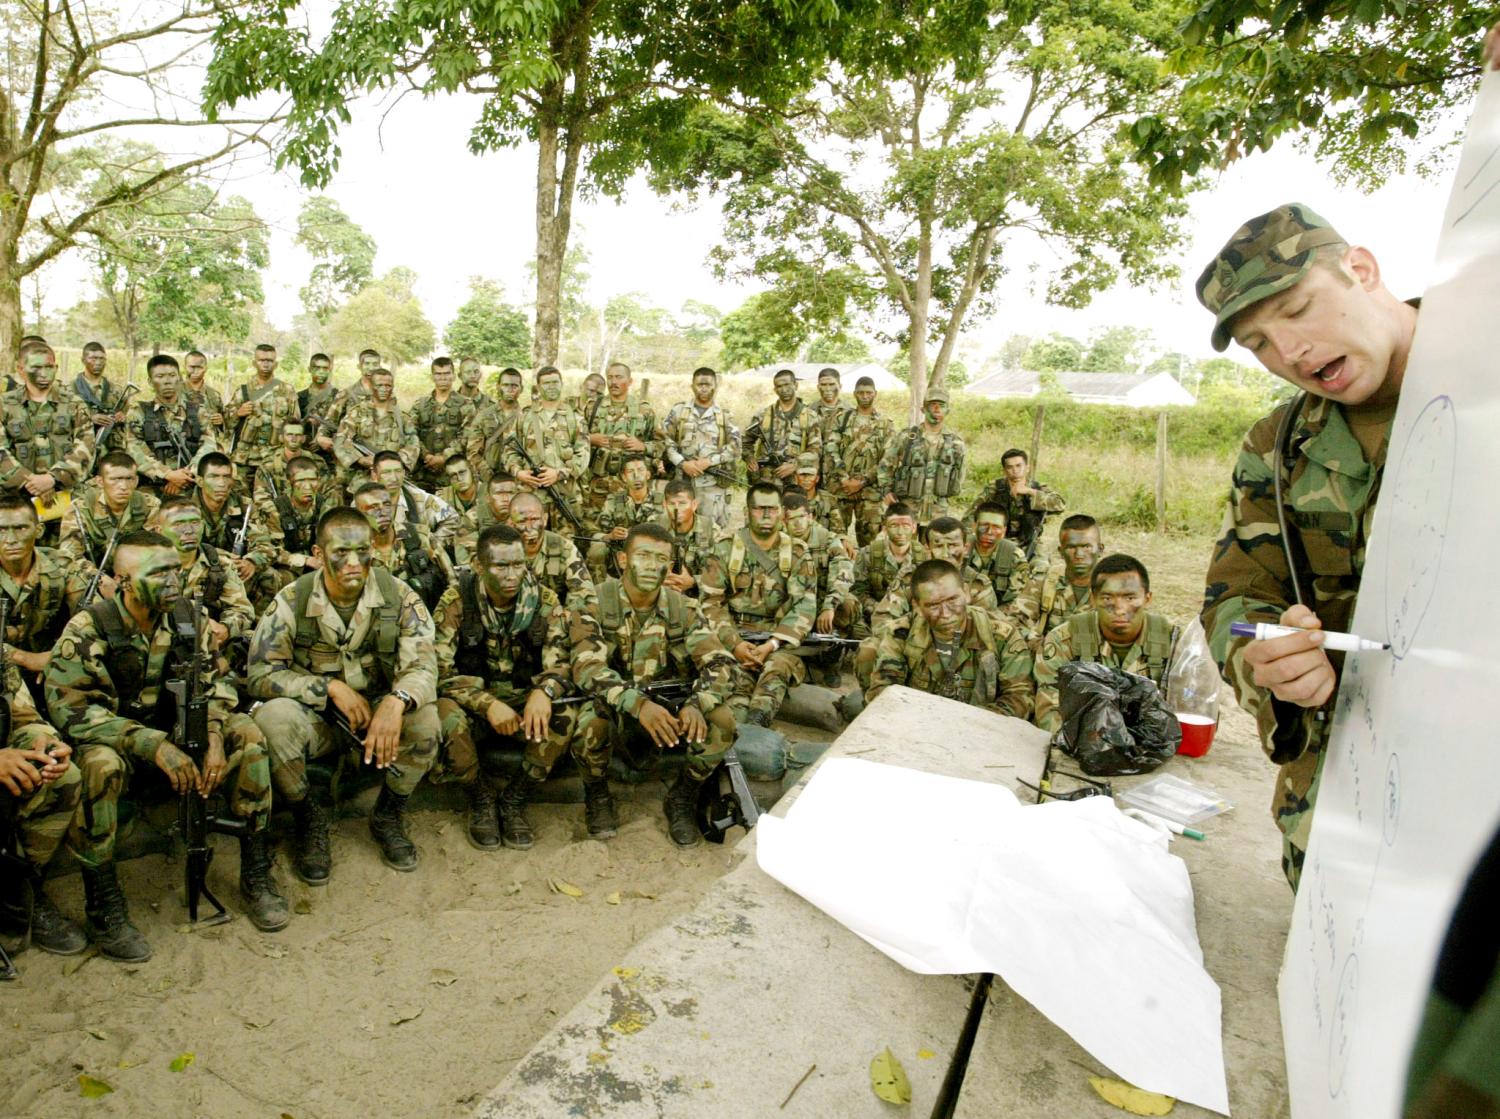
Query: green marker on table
x,y
1332,639
1171,825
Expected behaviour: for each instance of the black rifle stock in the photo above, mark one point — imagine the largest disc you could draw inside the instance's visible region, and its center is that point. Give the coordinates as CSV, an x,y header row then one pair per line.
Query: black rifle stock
x,y
92,591
557,499
671,694
814,640
101,436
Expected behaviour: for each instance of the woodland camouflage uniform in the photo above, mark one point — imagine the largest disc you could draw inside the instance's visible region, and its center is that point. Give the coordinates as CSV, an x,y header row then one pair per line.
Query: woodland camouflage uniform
x,y
156,435
777,436
925,474
379,429
552,437
86,530
1009,573
1079,639
441,429
45,816
630,417
1057,599
990,666
861,446
559,566
50,436
260,437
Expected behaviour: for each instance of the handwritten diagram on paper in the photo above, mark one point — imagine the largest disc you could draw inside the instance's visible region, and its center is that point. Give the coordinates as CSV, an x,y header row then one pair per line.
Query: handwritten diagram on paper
x,y
1409,791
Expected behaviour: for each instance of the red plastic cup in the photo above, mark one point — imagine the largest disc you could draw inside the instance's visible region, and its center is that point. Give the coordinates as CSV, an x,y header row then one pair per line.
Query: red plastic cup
x,y
1197,734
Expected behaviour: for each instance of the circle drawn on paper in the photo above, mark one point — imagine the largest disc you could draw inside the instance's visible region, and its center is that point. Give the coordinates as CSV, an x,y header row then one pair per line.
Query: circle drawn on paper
x,y
1414,509
1341,1029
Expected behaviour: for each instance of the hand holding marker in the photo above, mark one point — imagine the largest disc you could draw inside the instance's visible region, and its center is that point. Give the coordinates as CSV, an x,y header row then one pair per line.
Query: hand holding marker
x,y
1343,642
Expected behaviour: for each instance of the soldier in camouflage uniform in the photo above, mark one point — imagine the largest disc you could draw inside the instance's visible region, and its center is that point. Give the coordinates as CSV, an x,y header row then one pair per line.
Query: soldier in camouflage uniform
x,y
270,479
197,390
494,424
350,641
853,477
255,414
552,557
232,524
879,567
617,426
825,510
106,692
833,419
1314,311
590,393
291,519
104,400
646,632
633,504
838,610
369,362
105,510
1061,589
924,466
1001,561
777,435
550,434
951,649
692,536
48,438
464,495
503,653
1121,631
440,420
704,446
40,790
315,402
373,425
471,382
945,541
762,579
167,435
1026,501
414,505
410,554
208,575
44,591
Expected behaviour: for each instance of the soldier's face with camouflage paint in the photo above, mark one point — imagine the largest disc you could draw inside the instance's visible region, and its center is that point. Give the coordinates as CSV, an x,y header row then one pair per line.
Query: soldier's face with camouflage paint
x,y
529,519
865,398
216,483
304,486
510,387
196,368
681,509
93,362
166,383
368,363
500,494
501,572
593,386
617,378
807,478
1119,600
704,387
39,367
150,576
345,554
764,515
828,389
637,476
989,531
950,546
1080,548
943,602
900,530
378,510
647,562
786,387
183,526
798,522
934,412
470,372
320,369
381,386
442,378
391,473
118,483
461,478
293,435
265,363
19,532
550,386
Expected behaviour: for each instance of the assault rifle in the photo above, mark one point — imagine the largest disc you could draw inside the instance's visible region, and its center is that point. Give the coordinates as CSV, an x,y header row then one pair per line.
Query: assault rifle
x,y
239,427
92,591
725,800
669,693
240,542
190,735
557,499
101,436
813,640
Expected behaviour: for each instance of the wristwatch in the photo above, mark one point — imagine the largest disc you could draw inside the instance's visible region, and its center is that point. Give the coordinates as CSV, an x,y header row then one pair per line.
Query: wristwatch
x,y
407,699
552,689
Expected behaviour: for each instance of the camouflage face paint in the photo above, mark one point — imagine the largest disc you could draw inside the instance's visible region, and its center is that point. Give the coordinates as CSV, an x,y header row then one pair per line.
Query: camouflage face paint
x,y
501,576
470,372
382,385
368,364
166,383
703,389
943,602
304,486
216,483
900,530
551,387
934,412
41,368
1119,600
377,508
948,546
155,578
346,561
391,473
799,522
786,388
461,478
184,527
19,532
118,483
865,398
637,476
764,515
646,564
1080,549
510,387
681,508
828,390
320,371
442,378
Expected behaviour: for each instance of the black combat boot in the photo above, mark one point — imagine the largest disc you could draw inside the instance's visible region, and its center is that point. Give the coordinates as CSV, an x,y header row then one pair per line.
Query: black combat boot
x,y
515,828
484,826
311,862
599,809
681,806
388,826
265,907
108,920
53,932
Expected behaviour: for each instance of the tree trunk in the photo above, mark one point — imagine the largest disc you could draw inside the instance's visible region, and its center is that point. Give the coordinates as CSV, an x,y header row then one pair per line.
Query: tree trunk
x,y
920,307
551,241
11,329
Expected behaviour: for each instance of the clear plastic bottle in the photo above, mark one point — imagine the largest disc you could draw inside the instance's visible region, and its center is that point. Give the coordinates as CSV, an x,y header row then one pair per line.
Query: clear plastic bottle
x,y
1193,690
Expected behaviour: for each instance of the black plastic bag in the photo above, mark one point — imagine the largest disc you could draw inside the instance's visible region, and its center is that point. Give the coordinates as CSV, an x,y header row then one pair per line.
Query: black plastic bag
x,y
1115,723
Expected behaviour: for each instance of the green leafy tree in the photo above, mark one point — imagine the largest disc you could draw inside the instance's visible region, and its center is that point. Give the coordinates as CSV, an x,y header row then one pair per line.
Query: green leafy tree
x,y
344,255
1057,353
1116,349
839,349
489,328
699,321
1364,83
951,129
1013,351
385,316
763,329
601,88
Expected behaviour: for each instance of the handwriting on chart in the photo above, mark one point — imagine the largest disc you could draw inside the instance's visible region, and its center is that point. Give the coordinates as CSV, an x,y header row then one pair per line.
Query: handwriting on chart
x,y
1476,186
1417,504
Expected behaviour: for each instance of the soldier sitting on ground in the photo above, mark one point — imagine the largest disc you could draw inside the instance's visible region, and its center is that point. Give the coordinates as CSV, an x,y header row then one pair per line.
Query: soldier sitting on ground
x,y
1061,588
346,642
882,563
692,535
293,515
230,522
1026,501
1121,631
646,632
108,508
44,590
631,504
208,575
838,609
946,540
552,557
412,504
821,503
1002,562
409,555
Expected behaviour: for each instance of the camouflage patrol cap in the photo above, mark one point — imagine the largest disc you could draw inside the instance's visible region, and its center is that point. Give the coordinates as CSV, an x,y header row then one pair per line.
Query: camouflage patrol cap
x,y
807,460
936,392
1266,255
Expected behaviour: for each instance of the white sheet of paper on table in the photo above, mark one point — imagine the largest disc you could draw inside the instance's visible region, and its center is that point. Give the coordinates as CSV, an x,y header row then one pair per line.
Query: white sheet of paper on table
x,y
1079,909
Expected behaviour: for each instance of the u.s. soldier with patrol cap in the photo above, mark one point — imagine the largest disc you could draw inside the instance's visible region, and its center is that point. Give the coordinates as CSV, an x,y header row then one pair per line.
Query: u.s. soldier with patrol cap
x,y
1315,311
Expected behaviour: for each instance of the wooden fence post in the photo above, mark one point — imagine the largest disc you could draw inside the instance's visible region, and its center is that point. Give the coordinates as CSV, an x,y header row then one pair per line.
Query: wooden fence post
x,y
1161,472
1036,436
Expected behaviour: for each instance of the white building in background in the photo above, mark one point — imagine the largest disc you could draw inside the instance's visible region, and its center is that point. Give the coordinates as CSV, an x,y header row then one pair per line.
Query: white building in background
x,y
807,372
1134,390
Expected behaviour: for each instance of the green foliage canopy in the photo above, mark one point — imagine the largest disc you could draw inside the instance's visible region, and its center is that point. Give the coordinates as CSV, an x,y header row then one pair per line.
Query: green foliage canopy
x,y
344,255
488,328
386,316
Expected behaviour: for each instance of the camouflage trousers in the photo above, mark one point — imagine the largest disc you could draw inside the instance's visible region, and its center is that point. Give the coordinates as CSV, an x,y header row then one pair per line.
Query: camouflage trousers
x,y
458,756
864,513
246,785
43,818
766,692
713,502
619,729
297,735
1296,795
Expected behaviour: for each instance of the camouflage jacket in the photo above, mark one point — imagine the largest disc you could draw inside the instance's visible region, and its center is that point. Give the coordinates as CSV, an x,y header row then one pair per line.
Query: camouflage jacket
x,y
292,529
413,558
342,403
778,436
624,647
210,404
270,480
485,654
825,509
990,667
214,579
85,706
440,428
862,443
386,646
555,438
1079,639
690,549
741,585
315,403
378,429
222,528
559,567
1331,491
41,603
27,728
833,421
1057,599
835,568
163,437
621,512
631,418
488,437
691,432
924,474
430,511
1010,574
51,436
465,534
895,607
85,532
1024,513
877,571
260,436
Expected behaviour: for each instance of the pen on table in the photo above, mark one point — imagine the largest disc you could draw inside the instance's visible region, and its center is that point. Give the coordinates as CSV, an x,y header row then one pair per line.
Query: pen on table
x,y
1171,825
1345,642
